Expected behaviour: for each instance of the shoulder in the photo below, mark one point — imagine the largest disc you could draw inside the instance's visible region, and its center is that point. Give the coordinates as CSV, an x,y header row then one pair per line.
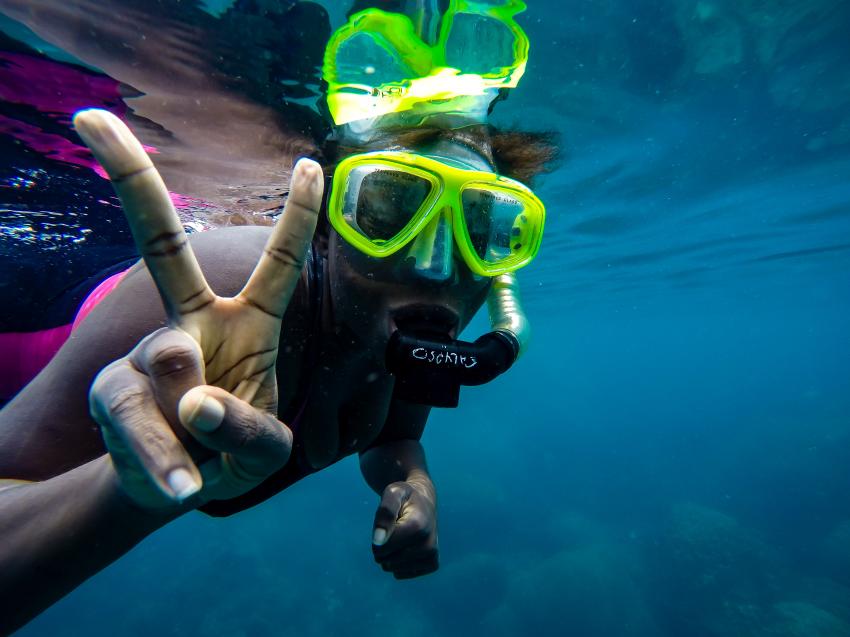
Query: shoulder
x,y
228,255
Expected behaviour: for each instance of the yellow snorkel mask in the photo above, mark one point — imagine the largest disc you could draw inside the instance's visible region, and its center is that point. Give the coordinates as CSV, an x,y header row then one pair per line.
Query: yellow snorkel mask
x,y
380,201
381,73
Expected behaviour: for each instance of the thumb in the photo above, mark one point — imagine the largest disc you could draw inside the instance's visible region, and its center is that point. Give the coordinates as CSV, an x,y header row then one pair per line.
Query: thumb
x,y
220,421
393,499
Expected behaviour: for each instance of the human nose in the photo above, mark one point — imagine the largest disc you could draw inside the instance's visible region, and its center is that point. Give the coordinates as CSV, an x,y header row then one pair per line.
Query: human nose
x,y
432,250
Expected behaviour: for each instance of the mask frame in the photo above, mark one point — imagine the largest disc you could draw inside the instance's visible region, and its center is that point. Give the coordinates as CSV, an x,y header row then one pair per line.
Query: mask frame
x,y
428,83
447,182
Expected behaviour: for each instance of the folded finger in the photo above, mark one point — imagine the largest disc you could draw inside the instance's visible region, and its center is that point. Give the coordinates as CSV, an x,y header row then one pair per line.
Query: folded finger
x,y
172,360
275,276
411,531
418,569
255,442
156,229
413,567
138,436
406,556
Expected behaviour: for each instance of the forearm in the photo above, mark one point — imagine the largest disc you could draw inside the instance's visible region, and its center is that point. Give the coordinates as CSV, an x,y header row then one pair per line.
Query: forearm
x,y
57,533
396,461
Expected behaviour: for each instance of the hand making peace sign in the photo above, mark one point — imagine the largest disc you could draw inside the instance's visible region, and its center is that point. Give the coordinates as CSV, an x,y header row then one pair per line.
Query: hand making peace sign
x,y
213,369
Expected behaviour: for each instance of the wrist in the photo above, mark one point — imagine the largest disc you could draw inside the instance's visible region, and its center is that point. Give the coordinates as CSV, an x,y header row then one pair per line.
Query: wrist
x,y
421,481
118,501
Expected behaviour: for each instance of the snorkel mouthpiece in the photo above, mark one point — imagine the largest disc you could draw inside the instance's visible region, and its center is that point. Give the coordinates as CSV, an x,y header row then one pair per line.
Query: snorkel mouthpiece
x,y
430,369
430,372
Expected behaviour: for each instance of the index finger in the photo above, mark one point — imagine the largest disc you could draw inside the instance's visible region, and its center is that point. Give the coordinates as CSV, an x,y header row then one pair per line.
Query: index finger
x,y
156,229
273,280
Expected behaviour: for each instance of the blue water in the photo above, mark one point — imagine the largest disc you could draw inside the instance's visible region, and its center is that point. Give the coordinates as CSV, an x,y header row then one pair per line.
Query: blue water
x,y
672,456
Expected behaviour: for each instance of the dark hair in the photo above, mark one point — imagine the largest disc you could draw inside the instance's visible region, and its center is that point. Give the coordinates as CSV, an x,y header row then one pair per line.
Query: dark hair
x,y
521,155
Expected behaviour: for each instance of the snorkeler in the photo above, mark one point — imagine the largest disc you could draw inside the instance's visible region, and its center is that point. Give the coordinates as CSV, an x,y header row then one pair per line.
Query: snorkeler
x,y
343,337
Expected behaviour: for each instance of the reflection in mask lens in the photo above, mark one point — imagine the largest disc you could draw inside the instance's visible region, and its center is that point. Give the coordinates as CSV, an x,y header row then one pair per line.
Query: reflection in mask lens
x,y
494,220
479,44
363,60
380,202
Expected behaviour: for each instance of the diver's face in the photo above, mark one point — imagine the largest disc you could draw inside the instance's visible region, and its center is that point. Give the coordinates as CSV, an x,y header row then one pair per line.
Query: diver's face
x,y
425,286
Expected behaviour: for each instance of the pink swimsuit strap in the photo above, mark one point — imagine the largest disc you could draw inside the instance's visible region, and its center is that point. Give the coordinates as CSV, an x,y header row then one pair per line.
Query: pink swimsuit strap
x,y
24,354
97,295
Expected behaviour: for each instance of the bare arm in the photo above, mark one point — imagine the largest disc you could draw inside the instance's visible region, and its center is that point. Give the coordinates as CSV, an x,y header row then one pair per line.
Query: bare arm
x,y
396,461
174,442
404,535
57,533
48,429
397,455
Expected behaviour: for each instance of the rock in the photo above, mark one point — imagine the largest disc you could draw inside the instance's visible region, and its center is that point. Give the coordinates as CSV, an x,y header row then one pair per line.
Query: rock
x,y
588,591
802,619
834,552
712,577
468,590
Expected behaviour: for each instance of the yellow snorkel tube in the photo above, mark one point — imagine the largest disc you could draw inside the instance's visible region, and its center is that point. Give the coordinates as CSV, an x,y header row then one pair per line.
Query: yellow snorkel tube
x,y
505,310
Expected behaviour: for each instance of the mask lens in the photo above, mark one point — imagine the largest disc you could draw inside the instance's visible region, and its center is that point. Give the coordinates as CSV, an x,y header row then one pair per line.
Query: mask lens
x,y
479,44
380,201
366,58
496,223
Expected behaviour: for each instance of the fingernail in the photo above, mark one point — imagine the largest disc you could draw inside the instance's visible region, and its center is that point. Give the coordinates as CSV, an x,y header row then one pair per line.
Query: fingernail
x,y
207,414
305,167
182,483
379,537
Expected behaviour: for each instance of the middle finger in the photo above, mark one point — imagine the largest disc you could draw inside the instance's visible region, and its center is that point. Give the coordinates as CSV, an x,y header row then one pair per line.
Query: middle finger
x,y
273,280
